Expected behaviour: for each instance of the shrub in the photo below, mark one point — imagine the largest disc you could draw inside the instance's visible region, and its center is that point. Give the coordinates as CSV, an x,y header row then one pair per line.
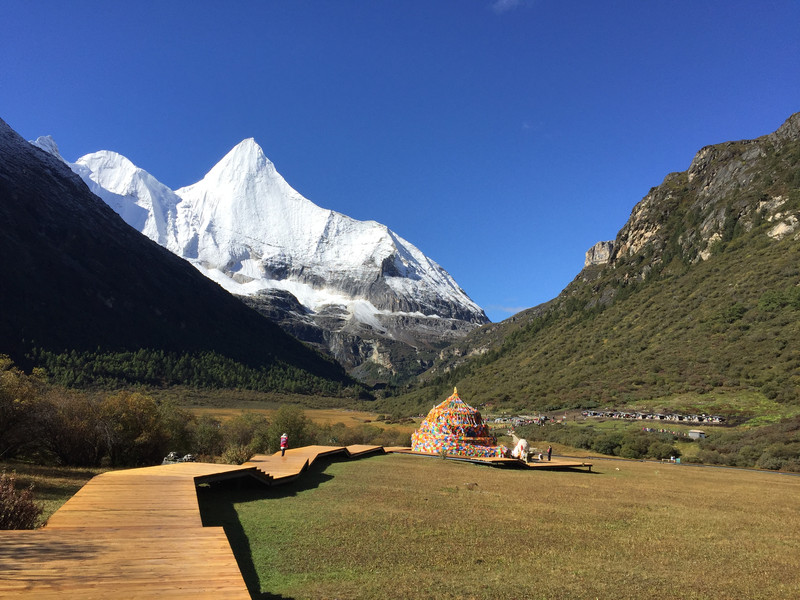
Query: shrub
x,y
662,450
207,437
69,426
236,454
291,420
178,424
331,435
17,508
132,428
770,462
18,394
607,444
390,438
247,429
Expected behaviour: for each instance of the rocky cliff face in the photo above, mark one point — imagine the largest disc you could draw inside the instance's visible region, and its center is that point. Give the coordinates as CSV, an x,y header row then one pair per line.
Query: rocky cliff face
x,y
599,254
728,187
394,345
693,210
737,199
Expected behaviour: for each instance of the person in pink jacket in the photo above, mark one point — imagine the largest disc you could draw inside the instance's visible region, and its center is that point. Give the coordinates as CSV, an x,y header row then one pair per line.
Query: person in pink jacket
x,y
284,443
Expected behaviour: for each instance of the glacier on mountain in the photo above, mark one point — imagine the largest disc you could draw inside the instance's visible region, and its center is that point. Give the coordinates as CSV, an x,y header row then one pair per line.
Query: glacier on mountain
x,y
246,228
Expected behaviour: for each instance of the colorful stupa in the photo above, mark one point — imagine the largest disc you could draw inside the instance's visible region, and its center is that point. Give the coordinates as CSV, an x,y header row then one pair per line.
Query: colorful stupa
x,y
456,429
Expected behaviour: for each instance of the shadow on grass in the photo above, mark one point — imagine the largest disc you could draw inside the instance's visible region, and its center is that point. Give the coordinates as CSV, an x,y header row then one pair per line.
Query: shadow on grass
x,y
217,501
49,481
45,490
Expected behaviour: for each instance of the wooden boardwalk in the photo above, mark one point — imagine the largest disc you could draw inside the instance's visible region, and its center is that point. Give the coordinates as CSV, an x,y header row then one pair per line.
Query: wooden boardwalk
x,y
283,469
138,534
557,464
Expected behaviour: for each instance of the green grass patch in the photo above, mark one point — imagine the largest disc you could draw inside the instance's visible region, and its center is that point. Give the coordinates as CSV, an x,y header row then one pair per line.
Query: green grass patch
x,y
408,527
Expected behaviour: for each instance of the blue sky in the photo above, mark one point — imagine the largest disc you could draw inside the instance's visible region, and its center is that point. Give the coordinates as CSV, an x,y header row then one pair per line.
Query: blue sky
x,y
502,138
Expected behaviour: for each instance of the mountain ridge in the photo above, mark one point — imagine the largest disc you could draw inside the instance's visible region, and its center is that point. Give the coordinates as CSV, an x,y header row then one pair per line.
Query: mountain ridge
x,y
83,280
698,297
368,295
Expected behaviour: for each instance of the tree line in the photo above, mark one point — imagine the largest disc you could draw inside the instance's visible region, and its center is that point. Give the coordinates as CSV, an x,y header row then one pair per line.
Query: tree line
x,y
625,444
150,367
55,425
775,446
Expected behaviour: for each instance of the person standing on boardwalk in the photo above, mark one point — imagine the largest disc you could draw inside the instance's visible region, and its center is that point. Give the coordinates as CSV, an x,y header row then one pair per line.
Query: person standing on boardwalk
x,y
549,452
284,443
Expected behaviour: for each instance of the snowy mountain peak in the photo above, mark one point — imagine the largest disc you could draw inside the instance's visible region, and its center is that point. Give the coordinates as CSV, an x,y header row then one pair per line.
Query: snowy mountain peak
x,y
246,156
139,198
111,170
247,148
246,228
48,144
245,161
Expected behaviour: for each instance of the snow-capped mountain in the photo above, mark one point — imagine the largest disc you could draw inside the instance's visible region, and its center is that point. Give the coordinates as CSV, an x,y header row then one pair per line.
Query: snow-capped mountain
x,y
246,228
76,277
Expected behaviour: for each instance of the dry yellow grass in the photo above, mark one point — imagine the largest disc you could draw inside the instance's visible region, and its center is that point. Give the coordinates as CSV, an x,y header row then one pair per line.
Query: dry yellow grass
x,y
321,416
409,527
350,418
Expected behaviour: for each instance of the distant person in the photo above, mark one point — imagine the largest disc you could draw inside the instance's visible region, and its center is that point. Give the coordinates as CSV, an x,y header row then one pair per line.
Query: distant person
x,y
549,452
284,443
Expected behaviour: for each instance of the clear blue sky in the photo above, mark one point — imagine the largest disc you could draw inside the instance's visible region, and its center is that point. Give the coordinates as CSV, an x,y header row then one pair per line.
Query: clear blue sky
x,y
501,138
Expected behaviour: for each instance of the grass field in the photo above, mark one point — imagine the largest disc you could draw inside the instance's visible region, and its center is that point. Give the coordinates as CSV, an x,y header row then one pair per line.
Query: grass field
x,y
400,526
188,397
52,486
322,416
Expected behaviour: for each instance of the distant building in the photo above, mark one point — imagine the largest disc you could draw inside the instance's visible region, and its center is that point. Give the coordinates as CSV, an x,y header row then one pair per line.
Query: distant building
x,y
696,434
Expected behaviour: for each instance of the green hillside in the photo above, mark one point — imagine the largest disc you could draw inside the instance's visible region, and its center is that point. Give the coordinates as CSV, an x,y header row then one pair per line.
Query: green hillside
x,y
698,308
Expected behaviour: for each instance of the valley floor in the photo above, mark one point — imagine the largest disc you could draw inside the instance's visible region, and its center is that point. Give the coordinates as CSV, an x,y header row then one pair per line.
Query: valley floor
x,y
403,527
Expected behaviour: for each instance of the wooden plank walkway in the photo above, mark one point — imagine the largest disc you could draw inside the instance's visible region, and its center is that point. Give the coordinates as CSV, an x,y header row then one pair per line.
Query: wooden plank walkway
x,y
557,464
296,460
103,563
137,533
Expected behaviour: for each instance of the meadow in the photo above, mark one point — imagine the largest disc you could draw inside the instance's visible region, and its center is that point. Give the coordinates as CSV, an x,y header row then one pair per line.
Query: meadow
x,y
52,486
400,526
320,416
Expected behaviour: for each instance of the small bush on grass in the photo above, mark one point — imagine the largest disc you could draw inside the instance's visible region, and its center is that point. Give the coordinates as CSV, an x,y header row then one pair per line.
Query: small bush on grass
x,y
662,450
236,454
17,508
